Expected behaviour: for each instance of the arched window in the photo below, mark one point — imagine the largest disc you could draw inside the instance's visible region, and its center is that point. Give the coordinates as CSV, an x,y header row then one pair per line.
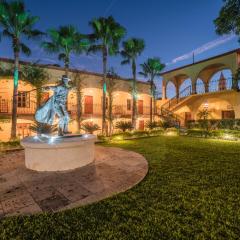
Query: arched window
x,y
220,81
200,87
185,88
170,90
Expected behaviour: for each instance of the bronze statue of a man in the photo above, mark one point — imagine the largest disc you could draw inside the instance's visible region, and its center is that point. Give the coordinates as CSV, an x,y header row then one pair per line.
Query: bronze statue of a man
x,y
56,106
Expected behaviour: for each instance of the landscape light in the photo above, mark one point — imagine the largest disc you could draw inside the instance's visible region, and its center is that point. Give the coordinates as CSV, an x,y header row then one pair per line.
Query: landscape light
x,y
206,105
52,139
228,136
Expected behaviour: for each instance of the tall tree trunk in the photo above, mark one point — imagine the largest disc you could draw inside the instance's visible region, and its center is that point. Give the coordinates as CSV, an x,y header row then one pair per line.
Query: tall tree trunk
x,y
39,96
104,91
110,97
79,108
151,101
134,96
15,96
66,67
154,107
151,110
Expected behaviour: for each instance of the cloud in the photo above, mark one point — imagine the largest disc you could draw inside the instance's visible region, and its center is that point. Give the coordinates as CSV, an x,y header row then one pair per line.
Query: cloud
x,y
203,48
110,6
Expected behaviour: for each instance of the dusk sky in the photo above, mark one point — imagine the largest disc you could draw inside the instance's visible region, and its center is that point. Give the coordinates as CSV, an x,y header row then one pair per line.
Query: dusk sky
x,y
170,28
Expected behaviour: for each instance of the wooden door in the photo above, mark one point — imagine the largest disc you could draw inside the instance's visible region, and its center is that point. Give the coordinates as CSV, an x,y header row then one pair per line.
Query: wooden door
x,y
141,125
140,106
188,117
88,105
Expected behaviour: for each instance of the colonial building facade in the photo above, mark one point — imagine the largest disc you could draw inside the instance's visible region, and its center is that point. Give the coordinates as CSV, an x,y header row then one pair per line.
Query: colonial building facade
x,y
210,84
91,100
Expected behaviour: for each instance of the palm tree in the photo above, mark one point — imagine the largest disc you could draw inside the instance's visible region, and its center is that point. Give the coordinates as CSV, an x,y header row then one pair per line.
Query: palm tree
x,y
17,24
132,48
107,34
64,41
36,76
77,83
151,69
111,87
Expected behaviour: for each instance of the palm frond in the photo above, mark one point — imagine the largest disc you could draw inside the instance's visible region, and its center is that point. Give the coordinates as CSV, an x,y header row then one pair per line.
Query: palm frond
x,y
62,56
95,48
17,23
25,49
143,74
50,47
107,32
124,62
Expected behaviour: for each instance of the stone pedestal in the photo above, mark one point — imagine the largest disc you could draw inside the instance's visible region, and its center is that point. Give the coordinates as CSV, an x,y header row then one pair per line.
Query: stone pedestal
x,y
58,153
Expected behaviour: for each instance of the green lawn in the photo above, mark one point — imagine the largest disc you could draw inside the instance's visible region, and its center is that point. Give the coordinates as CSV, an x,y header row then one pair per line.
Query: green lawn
x,y
192,191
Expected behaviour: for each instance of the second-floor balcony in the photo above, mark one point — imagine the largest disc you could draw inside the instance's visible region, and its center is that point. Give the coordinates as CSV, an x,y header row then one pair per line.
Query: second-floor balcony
x,y
118,111
87,110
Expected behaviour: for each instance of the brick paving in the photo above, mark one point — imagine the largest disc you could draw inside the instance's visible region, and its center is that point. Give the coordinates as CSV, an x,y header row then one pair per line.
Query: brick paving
x,y
23,191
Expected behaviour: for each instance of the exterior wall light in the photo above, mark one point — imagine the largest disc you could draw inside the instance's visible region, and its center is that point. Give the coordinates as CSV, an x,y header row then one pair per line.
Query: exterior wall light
x,y
206,105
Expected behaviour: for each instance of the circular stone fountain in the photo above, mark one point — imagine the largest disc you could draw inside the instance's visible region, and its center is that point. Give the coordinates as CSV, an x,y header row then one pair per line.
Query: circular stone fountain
x,y
54,153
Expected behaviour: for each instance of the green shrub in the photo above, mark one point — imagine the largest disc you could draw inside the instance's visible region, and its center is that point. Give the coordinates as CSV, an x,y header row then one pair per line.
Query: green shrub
x,y
171,131
90,127
165,124
157,132
43,128
121,136
124,126
198,133
153,125
215,124
137,134
12,143
226,134
221,134
102,138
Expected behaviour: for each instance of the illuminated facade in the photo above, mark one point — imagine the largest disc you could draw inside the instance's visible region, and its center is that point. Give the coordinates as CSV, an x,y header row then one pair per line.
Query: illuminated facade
x,y
91,101
210,83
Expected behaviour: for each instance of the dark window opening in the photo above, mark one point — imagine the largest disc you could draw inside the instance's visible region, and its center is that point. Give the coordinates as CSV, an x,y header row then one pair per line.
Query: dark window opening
x,y
129,104
230,114
23,99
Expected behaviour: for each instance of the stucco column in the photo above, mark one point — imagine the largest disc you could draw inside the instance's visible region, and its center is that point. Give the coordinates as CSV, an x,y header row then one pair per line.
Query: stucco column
x,y
235,79
164,90
194,88
206,87
177,90
236,106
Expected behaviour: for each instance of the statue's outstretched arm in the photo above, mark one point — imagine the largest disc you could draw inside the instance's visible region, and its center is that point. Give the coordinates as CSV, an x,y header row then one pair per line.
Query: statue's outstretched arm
x,y
47,88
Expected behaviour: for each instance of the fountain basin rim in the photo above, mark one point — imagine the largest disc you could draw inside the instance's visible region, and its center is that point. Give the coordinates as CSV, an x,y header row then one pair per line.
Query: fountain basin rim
x,y
57,142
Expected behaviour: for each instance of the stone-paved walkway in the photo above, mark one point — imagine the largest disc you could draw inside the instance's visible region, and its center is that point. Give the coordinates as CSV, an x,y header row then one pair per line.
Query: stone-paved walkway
x,y
23,191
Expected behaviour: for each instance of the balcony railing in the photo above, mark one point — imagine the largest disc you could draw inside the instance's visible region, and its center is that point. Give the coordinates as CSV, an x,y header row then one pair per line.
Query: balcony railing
x,y
25,109
88,110
214,86
95,110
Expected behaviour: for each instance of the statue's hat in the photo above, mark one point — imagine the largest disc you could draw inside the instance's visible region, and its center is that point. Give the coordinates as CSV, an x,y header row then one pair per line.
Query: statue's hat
x,y
65,78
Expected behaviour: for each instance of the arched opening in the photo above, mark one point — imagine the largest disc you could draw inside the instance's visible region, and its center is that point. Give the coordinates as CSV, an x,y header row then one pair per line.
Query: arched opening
x,y
170,90
200,87
220,81
185,88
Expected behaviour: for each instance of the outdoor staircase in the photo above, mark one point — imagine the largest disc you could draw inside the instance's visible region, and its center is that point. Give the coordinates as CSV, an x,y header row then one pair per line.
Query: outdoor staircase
x,y
166,111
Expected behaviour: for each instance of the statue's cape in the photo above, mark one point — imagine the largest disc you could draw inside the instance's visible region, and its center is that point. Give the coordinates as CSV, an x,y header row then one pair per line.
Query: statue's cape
x,y
45,114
